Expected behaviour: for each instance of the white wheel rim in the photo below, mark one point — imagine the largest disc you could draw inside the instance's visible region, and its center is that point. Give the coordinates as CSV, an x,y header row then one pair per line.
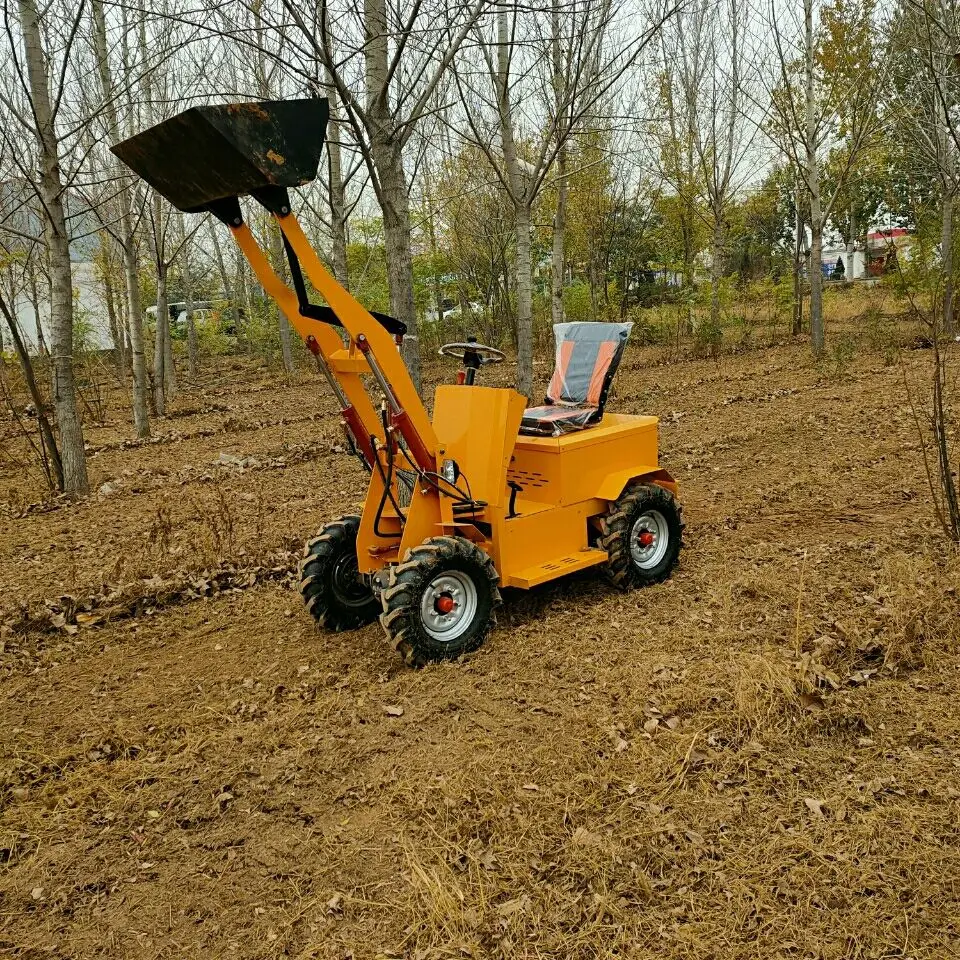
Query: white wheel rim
x,y
449,606
649,539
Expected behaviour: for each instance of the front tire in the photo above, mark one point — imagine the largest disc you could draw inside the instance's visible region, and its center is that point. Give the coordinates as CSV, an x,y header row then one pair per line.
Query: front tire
x,y
441,601
642,534
335,594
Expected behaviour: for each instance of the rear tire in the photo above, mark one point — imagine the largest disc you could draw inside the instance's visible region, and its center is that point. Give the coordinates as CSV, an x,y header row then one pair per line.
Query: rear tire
x,y
441,601
642,534
335,594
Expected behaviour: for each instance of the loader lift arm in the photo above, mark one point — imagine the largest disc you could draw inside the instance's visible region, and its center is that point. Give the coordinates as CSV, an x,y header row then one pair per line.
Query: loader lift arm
x,y
261,149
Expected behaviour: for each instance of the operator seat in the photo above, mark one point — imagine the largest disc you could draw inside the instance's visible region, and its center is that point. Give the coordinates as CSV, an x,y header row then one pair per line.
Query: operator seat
x,y
588,355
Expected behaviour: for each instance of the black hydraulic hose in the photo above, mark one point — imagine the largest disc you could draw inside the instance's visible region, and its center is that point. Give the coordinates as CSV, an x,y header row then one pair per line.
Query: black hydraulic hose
x,y
387,480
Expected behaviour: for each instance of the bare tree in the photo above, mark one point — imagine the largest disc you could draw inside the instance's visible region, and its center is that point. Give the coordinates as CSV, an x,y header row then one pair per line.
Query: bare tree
x,y
527,109
405,55
823,99
38,119
719,78
49,452
925,41
124,230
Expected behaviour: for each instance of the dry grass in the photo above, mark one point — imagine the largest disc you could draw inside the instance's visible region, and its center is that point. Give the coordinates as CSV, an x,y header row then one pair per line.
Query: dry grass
x,y
755,760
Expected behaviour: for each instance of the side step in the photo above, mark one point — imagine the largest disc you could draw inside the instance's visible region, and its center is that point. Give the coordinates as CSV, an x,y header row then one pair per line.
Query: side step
x,y
534,576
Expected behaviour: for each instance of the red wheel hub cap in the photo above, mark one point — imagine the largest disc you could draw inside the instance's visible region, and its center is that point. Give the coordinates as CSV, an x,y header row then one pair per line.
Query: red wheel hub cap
x,y
646,538
444,604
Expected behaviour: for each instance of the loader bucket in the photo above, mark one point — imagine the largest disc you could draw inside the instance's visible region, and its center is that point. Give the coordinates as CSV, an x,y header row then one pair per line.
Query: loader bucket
x,y
207,154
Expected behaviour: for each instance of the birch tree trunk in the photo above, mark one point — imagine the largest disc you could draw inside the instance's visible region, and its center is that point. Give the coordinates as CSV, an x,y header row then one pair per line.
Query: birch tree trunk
x,y
128,240
116,328
242,291
159,342
187,273
229,289
386,153
26,365
138,359
946,253
716,270
278,257
521,212
277,254
852,243
813,188
50,187
558,260
524,303
42,347
335,195
797,319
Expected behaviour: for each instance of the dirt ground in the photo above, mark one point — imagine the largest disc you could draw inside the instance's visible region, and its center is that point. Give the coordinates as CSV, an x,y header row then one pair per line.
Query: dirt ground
x,y
757,759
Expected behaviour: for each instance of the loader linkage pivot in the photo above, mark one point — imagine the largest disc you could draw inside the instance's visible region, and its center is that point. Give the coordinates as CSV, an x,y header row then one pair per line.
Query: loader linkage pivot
x,y
457,505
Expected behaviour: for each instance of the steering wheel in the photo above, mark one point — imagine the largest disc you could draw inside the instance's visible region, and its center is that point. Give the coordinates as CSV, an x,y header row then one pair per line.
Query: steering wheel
x,y
482,354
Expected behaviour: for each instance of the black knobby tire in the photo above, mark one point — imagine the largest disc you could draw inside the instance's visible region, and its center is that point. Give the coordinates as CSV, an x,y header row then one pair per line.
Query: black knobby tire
x,y
641,509
335,595
422,575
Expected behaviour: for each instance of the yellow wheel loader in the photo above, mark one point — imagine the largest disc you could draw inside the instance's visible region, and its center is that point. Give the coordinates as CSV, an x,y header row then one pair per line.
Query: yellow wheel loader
x,y
488,493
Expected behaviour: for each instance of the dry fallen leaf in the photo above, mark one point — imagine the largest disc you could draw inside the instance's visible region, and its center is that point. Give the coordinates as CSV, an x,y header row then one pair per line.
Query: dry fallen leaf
x,y
393,711
513,906
811,701
815,806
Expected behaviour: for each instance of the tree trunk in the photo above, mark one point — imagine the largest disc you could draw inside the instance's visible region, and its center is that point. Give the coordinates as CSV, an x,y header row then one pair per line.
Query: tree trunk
x,y
335,195
716,271
396,234
813,187
797,327
558,261
521,211
42,348
116,330
559,265
278,257
138,360
524,304
435,277
242,291
229,289
50,188
797,324
816,282
387,157
946,253
128,242
187,273
169,370
686,227
159,342
26,365
852,244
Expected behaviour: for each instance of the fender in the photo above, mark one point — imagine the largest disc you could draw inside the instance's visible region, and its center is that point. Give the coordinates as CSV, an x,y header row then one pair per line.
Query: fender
x,y
616,483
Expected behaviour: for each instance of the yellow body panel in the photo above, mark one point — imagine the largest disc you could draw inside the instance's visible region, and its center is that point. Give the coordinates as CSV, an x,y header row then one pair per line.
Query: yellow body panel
x,y
561,479
477,427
